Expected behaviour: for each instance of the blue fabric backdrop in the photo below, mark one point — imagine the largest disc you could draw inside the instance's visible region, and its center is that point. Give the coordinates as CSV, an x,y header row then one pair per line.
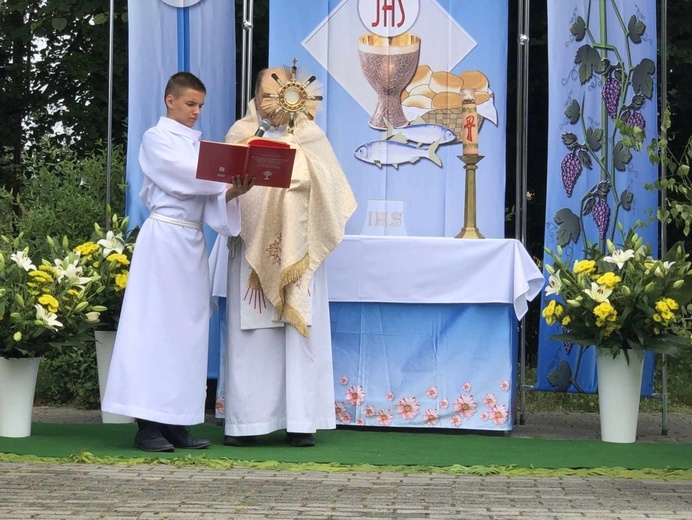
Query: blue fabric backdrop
x,y
420,199
577,37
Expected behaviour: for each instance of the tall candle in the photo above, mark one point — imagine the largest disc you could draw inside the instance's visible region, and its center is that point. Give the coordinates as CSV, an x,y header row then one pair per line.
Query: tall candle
x,y
469,114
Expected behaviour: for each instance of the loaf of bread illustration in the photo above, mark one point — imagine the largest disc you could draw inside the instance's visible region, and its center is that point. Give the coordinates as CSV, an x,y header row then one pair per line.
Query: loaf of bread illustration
x,y
440,93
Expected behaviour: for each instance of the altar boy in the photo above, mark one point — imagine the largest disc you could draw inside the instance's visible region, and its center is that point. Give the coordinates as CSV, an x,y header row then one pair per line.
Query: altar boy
x,y
159,365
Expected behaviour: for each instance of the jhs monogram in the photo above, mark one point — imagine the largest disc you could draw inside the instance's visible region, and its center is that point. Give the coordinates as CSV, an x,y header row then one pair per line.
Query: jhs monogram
x,y
385,218
388,17
392,13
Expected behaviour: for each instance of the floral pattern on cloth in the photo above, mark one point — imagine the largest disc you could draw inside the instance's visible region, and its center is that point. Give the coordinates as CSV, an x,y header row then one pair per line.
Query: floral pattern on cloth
x,y
465,408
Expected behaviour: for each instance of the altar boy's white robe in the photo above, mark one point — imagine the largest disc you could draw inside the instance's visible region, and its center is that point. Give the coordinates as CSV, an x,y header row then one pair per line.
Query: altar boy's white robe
x,y
159,366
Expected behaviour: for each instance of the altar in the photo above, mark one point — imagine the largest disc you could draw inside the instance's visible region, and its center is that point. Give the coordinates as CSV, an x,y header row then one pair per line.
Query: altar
x,y
432,346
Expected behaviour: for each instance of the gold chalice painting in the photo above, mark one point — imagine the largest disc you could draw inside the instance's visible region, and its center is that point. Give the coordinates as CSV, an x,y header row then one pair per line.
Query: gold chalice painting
x,y
388,64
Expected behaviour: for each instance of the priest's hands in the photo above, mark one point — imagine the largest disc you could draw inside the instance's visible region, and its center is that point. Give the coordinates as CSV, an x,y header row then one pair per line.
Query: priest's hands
x,y
239,186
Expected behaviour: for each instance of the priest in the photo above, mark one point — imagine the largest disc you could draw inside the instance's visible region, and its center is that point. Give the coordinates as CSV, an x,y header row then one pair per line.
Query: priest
x,y
278,371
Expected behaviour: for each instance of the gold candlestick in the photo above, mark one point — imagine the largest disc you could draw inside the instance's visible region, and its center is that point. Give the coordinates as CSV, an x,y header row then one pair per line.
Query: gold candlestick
x,y
470,229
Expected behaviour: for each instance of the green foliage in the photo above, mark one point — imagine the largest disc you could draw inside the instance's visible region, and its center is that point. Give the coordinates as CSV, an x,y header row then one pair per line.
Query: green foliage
x,y
54,62
64,194
69,377
677,183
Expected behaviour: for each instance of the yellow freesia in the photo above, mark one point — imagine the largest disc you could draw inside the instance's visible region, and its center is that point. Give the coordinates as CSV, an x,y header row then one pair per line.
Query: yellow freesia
x,y
609,279
49,302
584,266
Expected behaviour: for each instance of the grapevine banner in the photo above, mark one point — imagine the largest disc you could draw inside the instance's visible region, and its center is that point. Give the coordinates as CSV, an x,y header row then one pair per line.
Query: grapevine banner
x,y
602,62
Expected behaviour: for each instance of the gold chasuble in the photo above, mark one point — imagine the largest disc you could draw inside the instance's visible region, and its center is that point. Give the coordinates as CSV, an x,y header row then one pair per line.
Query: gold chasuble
x,y
289,232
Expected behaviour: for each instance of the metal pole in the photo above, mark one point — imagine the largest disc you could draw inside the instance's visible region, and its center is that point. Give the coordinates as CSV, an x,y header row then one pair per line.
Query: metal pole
x,y
243,58
521,170
246,58
664,232
250,38
109,145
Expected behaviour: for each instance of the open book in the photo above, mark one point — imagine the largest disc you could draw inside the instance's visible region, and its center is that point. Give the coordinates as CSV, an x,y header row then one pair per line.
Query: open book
x,y
269,162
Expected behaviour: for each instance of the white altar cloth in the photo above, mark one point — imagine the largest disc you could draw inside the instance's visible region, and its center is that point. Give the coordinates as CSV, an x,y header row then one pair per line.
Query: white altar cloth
x,y
433,270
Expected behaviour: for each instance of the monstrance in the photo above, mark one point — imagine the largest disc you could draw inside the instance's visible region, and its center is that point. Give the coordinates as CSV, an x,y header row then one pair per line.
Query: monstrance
x,y
290,95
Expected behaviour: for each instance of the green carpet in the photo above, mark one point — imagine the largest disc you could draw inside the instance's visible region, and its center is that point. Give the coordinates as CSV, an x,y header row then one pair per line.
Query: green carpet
x,y
340,450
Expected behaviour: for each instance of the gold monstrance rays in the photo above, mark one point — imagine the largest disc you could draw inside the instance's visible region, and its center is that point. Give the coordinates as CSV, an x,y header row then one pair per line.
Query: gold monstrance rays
x,y
290,95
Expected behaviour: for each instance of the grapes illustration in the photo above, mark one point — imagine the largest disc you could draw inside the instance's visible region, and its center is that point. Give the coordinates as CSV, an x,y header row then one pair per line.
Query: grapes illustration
x,y
571,169
636,119
611,95
601,215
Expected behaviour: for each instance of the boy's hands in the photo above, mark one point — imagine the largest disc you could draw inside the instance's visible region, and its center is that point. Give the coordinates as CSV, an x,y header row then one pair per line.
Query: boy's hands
x,y
239,186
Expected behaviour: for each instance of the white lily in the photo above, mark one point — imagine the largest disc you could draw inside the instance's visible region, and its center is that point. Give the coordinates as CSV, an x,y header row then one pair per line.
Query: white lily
x,y
554,284
662,268
92,317
598,293
22,259
49,319
111,243
68,268
619,257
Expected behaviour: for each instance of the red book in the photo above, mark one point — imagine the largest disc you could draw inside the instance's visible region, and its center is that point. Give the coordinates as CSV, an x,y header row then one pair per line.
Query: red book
x,y
269,162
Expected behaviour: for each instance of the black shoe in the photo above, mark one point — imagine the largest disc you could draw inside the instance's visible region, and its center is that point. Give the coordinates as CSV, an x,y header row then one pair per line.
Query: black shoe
x,y
180,437
239,441
150,438
300,440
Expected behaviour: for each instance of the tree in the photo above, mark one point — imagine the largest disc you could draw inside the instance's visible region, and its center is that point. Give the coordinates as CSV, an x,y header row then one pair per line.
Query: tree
x,y
54,77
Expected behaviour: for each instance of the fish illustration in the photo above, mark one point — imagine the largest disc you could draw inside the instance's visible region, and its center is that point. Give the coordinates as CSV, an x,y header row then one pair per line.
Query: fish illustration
x,y
420,132
391,152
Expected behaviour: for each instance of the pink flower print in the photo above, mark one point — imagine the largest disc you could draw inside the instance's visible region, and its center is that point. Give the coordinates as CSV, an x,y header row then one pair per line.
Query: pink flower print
x,y
498,414
407,407
466,387
484,416
370,411
339,408
504,385
389,396
220,406
456,420
444,403
343,380
465,405
360,422
432,392
431,417
355,395
384,417
345,417
490,400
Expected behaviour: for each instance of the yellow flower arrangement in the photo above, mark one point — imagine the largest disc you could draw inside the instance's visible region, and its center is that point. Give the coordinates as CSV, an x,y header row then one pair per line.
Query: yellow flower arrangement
x,y
621,299
42,308
108,255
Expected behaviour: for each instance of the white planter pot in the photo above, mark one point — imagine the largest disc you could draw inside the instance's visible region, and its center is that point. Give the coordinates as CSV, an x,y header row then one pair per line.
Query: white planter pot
x,y
17,386
619,390
105,340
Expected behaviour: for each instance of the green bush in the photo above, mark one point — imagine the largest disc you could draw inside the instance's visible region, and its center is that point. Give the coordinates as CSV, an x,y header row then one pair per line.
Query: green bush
x,y
69,377
64,194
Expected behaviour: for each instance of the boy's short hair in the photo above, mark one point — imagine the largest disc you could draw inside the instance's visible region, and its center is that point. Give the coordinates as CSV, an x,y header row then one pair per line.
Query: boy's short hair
x,y
181,81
